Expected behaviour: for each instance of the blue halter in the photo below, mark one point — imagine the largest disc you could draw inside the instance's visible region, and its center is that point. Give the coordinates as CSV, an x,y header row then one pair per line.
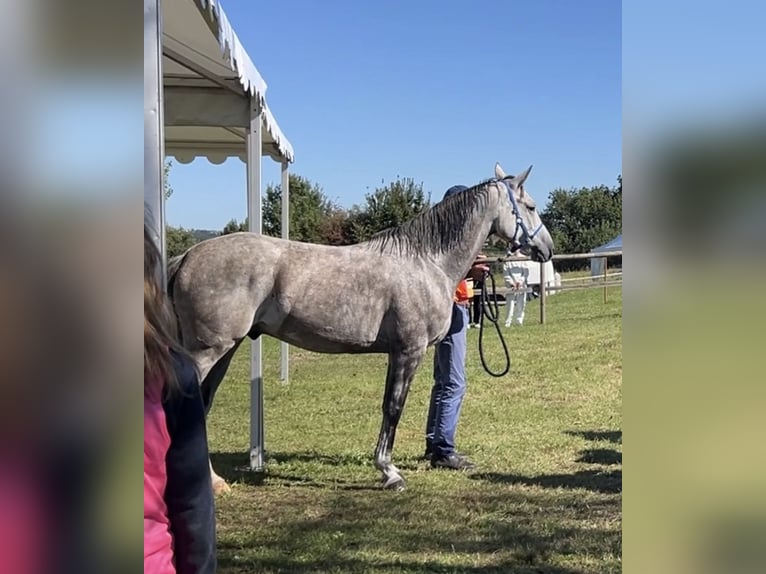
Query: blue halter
x,y
526,236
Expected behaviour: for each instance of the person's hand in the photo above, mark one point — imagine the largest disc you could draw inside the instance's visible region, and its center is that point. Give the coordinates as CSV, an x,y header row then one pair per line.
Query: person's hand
x,y
477,271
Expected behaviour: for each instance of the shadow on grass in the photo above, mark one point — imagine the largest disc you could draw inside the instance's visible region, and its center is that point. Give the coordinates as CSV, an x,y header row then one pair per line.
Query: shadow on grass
x,y
304,525
611,436
479,530
355,459
398,566
605,456
233,467
320,458
596,481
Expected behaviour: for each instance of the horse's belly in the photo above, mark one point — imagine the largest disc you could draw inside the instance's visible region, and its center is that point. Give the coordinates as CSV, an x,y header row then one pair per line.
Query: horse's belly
x,y
326,339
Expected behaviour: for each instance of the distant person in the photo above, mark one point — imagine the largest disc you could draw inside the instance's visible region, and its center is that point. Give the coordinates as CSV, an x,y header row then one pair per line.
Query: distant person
x,y
179,513
515,276
449,377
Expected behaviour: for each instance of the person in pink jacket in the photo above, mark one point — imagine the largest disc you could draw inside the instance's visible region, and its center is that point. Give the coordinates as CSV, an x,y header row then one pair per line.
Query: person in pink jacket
x,y
179,512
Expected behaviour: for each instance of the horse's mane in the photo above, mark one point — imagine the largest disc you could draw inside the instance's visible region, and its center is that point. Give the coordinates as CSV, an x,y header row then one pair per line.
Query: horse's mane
x,y
438,229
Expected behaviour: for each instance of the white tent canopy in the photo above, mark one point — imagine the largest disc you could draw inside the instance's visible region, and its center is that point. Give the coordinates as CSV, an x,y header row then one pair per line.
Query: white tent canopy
x,y
209,84
203,97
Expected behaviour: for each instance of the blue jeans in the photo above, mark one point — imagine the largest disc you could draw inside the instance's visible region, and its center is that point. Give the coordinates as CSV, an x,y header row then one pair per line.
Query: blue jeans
x,y
449,386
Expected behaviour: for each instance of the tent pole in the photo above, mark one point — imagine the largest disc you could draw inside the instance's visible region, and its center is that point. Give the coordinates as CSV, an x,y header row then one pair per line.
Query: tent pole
x,y
154,140
255,219
284,350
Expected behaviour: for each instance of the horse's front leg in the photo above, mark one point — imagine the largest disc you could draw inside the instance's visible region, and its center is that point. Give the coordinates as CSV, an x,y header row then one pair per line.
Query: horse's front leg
x,y
401,370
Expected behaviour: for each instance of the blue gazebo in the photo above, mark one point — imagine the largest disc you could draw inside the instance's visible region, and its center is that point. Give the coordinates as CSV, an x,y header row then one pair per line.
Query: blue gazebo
x,y
597,264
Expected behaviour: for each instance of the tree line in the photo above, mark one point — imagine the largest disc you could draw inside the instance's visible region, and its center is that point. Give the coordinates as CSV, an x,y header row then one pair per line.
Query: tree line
x,y
578,219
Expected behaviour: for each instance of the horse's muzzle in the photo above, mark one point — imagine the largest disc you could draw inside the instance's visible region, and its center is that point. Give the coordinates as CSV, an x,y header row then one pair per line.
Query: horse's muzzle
x,y
538,255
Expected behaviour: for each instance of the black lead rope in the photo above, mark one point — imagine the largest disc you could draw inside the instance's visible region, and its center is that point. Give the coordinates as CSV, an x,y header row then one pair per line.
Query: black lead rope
x,y
490,310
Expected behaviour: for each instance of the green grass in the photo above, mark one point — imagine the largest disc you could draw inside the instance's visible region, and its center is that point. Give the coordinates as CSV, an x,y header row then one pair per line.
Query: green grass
x,y
546,439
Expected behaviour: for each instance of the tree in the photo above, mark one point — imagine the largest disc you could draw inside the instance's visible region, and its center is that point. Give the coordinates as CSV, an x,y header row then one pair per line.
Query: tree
x,y
178,240
315,218
166,182
309,208
234,226
581,219
388,206
336,229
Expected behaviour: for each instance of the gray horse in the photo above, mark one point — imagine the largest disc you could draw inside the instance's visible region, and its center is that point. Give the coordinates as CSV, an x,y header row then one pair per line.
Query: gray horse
x,y
403,280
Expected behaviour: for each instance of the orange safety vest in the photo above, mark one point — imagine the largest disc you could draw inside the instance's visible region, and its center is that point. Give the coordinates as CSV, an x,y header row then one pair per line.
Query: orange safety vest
x,y
464,291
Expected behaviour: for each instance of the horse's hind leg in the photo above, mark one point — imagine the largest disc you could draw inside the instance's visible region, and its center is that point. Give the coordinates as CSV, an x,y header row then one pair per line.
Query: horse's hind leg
x,y
212,381
208,388
401,370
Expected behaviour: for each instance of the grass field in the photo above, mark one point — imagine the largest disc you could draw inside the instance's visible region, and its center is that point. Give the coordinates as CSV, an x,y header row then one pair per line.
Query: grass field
x,y
546,439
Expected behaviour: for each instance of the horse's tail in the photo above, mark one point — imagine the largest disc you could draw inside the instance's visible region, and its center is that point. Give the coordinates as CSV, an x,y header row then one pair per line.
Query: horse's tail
x,y
173,266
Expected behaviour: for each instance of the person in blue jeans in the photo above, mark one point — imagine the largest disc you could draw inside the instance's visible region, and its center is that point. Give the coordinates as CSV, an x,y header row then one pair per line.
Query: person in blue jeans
x,y
449,378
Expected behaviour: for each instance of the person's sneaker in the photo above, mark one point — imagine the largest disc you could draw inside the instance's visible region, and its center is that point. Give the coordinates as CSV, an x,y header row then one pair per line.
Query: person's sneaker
x,y
452,462
427,455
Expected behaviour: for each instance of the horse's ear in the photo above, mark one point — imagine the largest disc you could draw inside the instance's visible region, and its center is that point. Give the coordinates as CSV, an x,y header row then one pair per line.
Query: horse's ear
x,y
522,177
499,173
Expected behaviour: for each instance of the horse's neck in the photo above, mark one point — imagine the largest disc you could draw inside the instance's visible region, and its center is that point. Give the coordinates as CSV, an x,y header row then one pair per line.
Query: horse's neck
x,y
457,262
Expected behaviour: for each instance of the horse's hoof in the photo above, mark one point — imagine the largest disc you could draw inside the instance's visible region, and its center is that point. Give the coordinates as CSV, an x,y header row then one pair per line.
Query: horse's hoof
x,y
396,484
220,487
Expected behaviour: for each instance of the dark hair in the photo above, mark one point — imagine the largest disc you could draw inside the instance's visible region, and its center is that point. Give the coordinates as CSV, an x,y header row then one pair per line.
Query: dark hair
x,y
160,331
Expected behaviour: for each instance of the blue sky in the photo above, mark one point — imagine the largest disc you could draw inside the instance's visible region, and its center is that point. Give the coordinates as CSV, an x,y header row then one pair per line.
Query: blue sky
x,y
691,63
434,90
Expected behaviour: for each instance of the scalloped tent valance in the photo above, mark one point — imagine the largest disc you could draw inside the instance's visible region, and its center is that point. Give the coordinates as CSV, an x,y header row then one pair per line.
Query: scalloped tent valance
x,y
209,85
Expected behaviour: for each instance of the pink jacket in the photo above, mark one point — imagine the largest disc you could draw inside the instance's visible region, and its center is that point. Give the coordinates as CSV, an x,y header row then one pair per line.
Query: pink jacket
x,y
158,542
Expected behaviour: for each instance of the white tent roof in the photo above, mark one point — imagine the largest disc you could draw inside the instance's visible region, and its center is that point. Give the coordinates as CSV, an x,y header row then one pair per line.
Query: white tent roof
x,y
208,83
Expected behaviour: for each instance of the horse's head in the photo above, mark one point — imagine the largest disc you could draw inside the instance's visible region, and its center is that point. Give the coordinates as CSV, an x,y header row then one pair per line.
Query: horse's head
x,y
518,221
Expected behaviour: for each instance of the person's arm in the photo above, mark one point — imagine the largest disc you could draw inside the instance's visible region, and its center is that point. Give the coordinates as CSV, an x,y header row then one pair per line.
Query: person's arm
x,y
189,494
516,274
478,270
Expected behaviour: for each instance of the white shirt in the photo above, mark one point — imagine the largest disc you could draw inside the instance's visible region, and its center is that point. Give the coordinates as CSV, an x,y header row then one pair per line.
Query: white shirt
x,y
516,271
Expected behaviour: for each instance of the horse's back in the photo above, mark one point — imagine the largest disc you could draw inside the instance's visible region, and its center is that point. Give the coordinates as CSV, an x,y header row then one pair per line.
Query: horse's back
x,y
323,298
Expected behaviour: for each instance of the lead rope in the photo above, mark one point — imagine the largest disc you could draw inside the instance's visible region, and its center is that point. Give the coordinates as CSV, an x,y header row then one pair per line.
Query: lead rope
x,y
492,313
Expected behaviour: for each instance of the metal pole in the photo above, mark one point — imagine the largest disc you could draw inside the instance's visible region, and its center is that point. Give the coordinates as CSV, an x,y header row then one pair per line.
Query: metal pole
x,y
542,293
605,279
154,140
284,348
254,217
